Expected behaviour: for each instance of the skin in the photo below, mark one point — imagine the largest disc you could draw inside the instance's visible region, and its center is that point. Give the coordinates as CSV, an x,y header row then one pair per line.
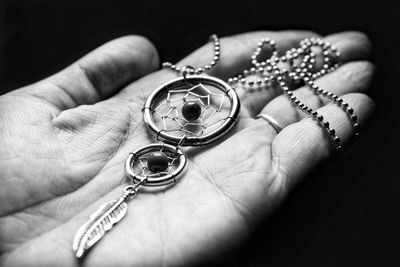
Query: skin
x,y
64,141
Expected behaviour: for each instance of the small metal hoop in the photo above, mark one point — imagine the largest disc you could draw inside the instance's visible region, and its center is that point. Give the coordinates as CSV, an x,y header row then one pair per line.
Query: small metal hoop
x,y
263,42
187,70
178,83
155,181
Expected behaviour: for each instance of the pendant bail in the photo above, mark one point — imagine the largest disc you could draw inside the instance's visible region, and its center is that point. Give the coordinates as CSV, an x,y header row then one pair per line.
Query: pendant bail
x,y
188,70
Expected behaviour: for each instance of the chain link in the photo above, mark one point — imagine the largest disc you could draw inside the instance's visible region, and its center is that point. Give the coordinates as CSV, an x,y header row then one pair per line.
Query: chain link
x,y
189,70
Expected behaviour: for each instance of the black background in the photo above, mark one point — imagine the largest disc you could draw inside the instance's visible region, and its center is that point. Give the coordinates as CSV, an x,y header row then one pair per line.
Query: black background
x,y
345,213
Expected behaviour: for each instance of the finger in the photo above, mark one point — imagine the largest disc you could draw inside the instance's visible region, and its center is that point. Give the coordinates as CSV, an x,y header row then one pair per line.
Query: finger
x,y
301,146
235,57
351,77
352,45
99,74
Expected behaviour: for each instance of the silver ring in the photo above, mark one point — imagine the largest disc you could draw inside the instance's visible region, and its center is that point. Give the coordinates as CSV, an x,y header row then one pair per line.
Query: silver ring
x,y
271,121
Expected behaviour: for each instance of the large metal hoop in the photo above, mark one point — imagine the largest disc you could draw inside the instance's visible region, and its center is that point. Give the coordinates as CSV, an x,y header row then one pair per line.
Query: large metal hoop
x,y
182,82
159,180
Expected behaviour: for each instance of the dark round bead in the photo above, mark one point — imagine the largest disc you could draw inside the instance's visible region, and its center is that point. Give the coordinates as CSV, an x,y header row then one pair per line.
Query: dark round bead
x,y
191,110
157,162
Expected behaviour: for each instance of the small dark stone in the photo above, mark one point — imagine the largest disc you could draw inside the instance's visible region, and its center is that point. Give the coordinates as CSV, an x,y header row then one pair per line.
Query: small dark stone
x,y
191,110
157,162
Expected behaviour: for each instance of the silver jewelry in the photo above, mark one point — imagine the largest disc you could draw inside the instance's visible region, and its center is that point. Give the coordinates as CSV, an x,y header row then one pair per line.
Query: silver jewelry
x,y
301,68
271,121
200,83
195,110
192,110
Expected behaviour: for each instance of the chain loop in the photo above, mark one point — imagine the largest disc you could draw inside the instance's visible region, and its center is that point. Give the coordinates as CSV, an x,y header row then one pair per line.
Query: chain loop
x,y
187,70
301,67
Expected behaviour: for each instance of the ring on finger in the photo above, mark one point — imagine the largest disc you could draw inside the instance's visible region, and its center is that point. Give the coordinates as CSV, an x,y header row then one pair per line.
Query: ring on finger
x,y
271,121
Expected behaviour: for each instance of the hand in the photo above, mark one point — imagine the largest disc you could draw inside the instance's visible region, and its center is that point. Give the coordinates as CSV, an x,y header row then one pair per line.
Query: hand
x,y
64,140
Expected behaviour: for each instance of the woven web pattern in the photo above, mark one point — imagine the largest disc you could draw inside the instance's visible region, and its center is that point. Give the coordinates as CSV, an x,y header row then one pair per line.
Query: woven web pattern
x,y
213,110
145,172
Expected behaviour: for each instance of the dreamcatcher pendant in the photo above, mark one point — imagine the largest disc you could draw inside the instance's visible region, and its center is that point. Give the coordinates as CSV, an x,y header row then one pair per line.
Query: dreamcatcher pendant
x,y
192,110
197,109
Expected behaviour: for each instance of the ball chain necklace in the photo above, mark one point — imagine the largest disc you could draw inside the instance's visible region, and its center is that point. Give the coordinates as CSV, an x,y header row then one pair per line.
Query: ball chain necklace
x,y
196,109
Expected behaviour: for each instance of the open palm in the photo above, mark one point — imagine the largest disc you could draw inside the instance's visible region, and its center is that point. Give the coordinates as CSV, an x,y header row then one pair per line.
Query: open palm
x,y
64,140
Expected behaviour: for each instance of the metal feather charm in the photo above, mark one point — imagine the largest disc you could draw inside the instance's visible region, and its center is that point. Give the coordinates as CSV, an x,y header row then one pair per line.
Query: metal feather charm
x,y
99,223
